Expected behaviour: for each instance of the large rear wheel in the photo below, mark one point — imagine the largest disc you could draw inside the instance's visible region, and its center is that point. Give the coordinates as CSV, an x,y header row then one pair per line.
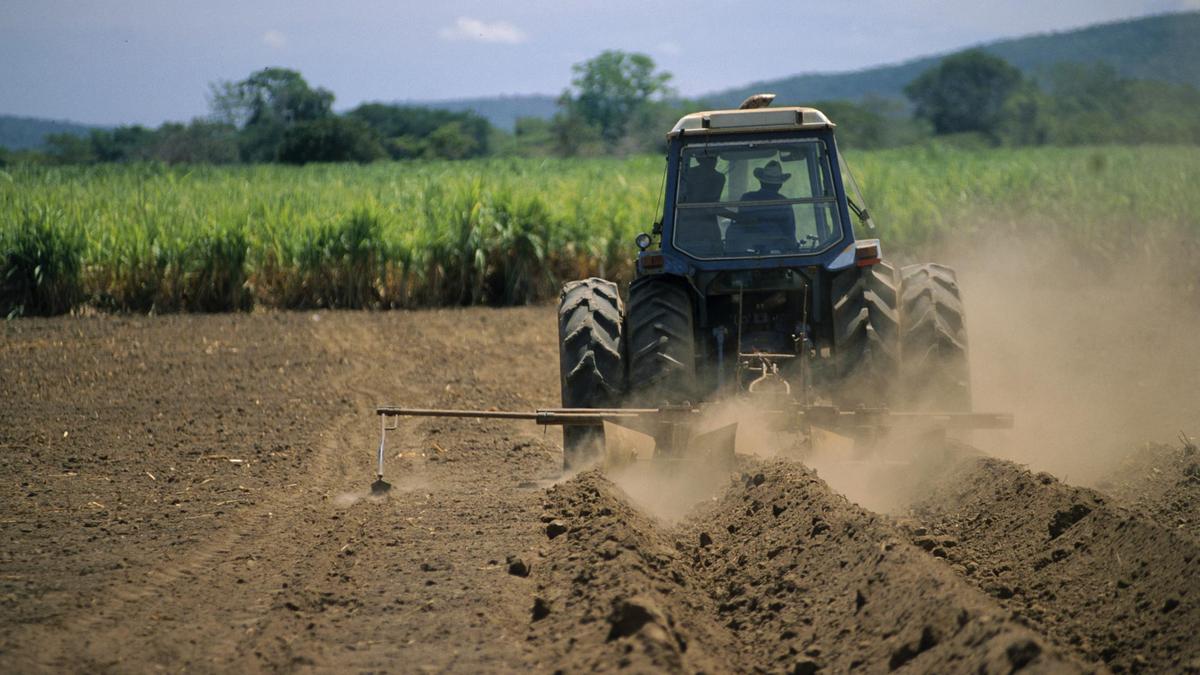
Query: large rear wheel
x,y
662,349
933,340
866,332
590,364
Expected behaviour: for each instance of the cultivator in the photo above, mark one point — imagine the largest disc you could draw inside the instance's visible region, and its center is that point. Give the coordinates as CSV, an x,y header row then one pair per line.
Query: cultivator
x,y
679,432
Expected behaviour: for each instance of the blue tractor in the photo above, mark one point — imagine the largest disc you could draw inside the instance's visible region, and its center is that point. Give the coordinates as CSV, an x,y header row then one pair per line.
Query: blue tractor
x,y
757,280
756,286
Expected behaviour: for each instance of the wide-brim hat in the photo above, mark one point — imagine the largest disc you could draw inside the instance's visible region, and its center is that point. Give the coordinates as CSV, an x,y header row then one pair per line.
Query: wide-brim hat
x,y
772,173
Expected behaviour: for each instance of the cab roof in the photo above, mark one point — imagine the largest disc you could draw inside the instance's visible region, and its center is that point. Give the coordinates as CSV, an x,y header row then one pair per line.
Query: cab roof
x,y
754,120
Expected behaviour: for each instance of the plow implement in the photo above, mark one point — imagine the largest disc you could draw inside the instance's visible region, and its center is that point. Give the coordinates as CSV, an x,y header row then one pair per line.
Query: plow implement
x,y
680,432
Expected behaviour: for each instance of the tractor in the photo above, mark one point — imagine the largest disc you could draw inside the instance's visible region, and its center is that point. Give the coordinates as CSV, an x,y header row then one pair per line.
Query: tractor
x,y
756,284
757,277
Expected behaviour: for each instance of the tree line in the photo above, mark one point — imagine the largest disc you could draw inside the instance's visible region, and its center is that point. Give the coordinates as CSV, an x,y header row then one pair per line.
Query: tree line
x,y
620,103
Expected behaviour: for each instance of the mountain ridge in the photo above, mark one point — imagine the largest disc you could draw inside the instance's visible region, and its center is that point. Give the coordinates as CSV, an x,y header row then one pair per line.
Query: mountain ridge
x,y
1161,47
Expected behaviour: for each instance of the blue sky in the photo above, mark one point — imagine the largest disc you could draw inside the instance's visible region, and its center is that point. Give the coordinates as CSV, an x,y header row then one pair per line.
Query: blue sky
x,y
147,61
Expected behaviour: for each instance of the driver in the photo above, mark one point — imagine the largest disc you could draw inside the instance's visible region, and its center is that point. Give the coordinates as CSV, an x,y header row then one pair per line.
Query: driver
x,y
775,223
698,230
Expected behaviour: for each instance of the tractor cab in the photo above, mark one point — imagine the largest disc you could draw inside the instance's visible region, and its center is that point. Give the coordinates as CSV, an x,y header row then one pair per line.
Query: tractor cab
x,y
755,189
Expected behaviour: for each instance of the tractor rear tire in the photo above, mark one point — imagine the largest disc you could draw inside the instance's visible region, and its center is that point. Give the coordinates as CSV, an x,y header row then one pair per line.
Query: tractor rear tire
x,y
590,363
933,340
662,342
866,338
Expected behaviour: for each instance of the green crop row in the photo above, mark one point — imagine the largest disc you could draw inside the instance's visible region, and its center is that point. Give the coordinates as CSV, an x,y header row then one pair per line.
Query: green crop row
x,y
502,231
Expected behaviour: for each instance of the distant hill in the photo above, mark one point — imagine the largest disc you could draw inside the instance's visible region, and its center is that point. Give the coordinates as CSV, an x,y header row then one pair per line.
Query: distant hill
x,y
502,111
27,133
1164,47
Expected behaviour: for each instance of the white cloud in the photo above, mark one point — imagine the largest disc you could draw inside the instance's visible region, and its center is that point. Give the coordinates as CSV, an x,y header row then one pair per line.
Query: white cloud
x,y
670,48
466,28
274,39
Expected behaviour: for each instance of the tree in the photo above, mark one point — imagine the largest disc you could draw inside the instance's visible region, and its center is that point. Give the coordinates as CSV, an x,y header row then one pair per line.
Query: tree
x,y
965,92
410,131
334,139
264,105
200,142
68,148
610,90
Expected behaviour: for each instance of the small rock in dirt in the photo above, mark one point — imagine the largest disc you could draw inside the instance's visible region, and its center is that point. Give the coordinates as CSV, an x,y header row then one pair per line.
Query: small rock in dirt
x,y
777,509
1063,520
925,542
1170,605
555,528
705,539
633,615
1000,591
758,479
938,552
541,609
1022,652
517,567
805,667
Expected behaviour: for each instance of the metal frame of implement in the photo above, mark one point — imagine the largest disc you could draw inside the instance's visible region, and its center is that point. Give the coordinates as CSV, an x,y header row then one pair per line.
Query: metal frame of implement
x,y
673,427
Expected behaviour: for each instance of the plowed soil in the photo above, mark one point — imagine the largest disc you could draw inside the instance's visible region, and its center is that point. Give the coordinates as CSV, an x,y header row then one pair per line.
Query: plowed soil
x,y
191,493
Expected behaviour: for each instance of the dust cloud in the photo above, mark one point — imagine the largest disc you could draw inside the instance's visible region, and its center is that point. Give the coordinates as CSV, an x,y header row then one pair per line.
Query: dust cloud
x,y
1094,360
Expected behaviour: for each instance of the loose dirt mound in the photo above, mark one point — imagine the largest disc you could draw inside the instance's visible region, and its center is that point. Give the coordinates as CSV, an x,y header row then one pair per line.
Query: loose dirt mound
x,y
1104,580
778,575
808,580
1164,481
614,592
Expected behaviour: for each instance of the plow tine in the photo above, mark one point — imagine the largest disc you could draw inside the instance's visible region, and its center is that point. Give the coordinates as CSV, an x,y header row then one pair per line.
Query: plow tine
x,y
380,486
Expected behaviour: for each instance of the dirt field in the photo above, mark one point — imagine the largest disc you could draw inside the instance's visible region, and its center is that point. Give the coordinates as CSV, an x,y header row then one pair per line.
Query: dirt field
x,y
190,493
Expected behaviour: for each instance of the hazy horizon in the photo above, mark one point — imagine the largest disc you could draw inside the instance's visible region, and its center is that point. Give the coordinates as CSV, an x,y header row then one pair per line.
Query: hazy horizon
x,y
138,61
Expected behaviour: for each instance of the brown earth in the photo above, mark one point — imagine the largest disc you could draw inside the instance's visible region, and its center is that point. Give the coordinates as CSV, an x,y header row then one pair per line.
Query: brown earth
x,y
190,493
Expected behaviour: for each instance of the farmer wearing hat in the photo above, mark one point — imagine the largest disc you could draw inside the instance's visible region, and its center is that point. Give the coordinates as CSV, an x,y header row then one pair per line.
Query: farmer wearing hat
x,y
771,226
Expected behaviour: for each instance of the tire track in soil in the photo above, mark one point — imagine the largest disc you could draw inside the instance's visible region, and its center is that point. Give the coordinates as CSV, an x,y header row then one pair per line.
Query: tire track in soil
x,y
163,621
1103,580
416,581
780,574
312,576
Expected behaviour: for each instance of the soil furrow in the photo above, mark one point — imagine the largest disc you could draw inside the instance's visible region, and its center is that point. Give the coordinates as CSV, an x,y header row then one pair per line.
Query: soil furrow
x,y
779,574
1101,579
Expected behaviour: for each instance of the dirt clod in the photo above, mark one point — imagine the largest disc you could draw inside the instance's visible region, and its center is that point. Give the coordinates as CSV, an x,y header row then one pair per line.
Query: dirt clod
x,y
1064,519
555,528
517,566
541,609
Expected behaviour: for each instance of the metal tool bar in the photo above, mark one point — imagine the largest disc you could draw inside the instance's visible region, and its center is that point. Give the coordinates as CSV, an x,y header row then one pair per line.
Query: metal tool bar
x,y
547,416
959,420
